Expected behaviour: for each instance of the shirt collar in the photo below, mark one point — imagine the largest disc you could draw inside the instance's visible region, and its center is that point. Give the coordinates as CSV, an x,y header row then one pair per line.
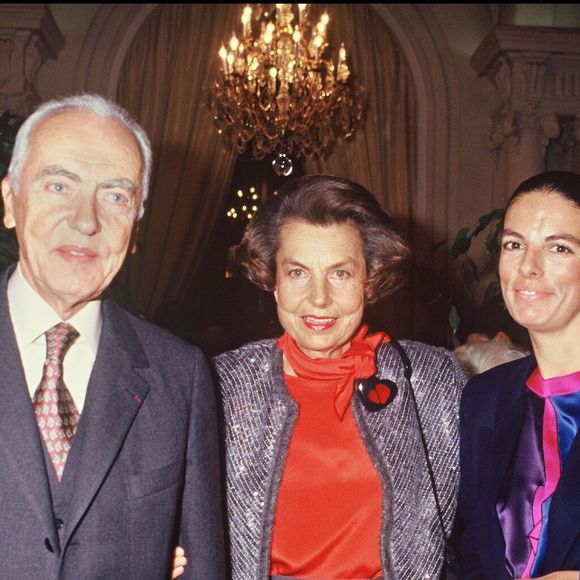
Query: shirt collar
x,y
32,316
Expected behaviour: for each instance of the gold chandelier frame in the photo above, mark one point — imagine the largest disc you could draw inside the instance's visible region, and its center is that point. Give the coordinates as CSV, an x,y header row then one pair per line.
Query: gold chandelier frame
x,y
278,89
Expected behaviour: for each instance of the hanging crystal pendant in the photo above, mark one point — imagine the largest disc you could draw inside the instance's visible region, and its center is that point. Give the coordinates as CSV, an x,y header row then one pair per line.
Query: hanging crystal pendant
x,y
282,165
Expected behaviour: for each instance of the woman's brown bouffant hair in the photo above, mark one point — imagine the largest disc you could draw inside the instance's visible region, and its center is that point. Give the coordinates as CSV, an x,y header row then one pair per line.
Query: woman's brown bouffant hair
x,y
324,200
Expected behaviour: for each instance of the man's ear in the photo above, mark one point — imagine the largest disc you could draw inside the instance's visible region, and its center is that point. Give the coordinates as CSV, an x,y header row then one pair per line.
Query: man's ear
x,y
8,197
275,292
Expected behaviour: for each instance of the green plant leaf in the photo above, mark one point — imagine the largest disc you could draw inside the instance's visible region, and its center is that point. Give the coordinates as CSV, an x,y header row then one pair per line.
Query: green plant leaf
x,y
492,224
492,242
461,244
488,218
474,269
469,277
454,319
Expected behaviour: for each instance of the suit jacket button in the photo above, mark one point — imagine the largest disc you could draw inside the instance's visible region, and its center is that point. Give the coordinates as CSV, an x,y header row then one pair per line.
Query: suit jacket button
x,y
59,523
48,545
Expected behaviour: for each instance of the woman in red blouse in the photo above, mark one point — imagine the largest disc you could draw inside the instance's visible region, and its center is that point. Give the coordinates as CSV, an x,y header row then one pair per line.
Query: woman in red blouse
x,y
338,467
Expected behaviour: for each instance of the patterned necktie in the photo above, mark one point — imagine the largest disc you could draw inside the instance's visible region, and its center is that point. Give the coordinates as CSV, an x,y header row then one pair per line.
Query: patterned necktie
x,y
55,410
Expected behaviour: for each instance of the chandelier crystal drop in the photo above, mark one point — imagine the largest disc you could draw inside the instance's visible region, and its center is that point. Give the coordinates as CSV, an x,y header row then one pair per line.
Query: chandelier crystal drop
x,y
279,91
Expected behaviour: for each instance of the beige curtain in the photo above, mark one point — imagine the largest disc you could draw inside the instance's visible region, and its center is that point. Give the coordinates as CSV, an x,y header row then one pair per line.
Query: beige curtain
x,y
170,64
382,156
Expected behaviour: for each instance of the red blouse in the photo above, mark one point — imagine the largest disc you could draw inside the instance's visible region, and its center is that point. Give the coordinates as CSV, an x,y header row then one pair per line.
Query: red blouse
x,y
328,516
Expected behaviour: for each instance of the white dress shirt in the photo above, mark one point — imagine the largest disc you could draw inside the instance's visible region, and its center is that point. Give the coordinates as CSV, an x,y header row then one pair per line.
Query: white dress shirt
x,y
32,317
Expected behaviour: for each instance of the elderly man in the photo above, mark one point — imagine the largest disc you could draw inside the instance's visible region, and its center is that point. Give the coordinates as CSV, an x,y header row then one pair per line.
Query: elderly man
x,y
108,438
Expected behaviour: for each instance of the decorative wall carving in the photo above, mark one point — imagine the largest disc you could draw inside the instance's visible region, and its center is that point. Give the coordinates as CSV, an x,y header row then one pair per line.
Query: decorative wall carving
x,y
28,36
536,73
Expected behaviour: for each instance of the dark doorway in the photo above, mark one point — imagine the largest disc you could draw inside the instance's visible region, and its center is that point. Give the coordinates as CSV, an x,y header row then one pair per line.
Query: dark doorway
x,y
224,310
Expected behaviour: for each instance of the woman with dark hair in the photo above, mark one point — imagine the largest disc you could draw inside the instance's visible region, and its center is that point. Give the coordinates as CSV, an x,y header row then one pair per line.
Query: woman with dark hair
x,y
341,446
519,506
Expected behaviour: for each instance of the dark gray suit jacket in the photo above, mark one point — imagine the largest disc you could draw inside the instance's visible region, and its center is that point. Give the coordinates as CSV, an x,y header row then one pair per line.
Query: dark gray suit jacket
x,y
143,472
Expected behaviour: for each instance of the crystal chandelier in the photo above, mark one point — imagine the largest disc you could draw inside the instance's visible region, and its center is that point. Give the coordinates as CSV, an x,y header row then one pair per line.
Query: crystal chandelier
x,y
279,92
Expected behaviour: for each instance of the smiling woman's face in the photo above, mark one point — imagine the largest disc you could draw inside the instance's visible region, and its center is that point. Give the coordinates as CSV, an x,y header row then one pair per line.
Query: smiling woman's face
x,y
539,266
320,280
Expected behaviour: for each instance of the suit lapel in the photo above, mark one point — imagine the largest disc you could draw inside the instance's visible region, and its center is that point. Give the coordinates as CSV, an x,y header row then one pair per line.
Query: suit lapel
x,y
497,447
509,416
19,435
115,394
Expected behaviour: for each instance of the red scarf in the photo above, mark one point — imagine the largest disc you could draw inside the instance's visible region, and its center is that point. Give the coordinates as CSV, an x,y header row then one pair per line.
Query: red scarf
x,y
358,362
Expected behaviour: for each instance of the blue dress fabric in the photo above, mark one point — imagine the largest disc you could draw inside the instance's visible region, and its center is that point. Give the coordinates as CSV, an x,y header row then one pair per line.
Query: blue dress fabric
x,y
527,472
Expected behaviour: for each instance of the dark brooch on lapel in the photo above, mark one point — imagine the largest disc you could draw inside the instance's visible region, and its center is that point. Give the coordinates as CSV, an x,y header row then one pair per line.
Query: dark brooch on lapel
x,y
376,394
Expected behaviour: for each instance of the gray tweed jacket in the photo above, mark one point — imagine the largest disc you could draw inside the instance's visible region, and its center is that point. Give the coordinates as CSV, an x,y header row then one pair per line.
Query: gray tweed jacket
x,y
259,417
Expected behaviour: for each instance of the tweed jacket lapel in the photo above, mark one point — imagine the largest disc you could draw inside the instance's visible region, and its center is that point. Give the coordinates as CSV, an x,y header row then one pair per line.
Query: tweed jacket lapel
x,y
393,441
19,435
279,421
117,388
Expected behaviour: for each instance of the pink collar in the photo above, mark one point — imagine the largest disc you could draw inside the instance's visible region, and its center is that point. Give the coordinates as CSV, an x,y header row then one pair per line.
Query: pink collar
x,y
564,385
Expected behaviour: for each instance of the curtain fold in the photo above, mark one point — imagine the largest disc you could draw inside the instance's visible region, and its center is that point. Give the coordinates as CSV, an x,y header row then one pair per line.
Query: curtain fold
x,y
172,60
170,64
382,154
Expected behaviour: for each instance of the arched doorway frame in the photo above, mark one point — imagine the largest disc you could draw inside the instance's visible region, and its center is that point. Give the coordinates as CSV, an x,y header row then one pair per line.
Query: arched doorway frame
x,y
432,65
425,47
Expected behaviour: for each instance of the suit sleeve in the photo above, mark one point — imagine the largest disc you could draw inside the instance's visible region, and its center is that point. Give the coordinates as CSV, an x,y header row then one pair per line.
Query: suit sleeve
x,y
202,521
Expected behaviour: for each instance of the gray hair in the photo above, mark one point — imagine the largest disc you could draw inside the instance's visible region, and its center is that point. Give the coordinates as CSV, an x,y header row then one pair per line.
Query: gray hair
x,y
100,106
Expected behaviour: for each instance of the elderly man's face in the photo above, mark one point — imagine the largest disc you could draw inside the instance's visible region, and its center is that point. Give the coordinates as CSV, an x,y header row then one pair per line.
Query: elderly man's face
x,y
76,207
